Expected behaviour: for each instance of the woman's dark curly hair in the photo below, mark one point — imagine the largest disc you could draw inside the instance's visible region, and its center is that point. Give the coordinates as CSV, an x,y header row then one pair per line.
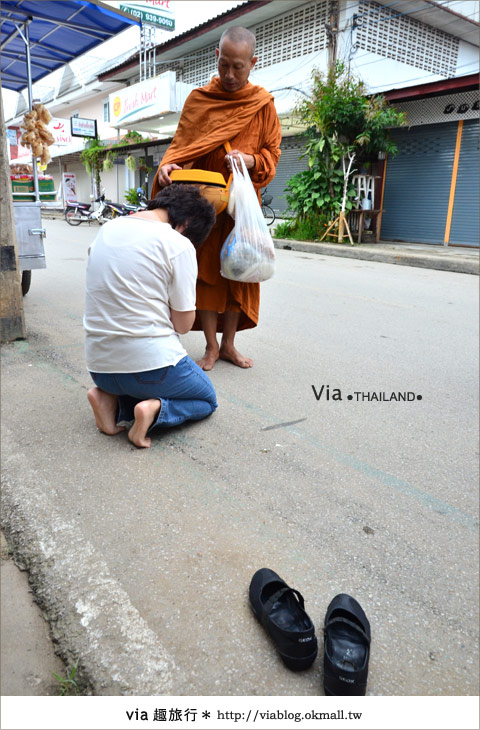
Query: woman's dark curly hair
x,y
186,205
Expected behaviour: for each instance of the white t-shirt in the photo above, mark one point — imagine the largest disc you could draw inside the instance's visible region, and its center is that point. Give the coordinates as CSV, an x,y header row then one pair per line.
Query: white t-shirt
x,y
137,270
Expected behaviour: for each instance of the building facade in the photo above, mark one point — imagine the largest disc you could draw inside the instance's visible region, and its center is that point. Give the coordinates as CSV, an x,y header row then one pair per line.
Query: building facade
x,y
396,47
391,46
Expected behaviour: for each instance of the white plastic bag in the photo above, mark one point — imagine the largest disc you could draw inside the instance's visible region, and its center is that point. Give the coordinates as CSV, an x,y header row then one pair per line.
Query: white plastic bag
x,y
248,254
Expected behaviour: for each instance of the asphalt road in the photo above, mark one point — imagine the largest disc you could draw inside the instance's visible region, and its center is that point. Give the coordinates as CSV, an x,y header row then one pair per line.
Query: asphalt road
x,y
142,558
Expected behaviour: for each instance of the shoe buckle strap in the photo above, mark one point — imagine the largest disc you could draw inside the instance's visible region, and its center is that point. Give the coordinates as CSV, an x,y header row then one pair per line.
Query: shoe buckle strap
x,y
276,596
342,620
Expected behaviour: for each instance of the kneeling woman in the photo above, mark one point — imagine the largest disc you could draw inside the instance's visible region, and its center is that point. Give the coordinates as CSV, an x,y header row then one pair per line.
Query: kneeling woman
x,y
140,295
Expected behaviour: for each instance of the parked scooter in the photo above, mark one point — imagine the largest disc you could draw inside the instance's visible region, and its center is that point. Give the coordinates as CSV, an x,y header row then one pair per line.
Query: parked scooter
x,y
142,199
76,213
113,210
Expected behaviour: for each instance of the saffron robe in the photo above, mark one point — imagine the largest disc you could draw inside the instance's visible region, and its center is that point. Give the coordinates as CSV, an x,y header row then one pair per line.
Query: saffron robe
x,y
248,120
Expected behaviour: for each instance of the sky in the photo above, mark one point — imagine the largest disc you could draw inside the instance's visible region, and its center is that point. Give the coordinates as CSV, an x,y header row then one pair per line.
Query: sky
x,y
188,14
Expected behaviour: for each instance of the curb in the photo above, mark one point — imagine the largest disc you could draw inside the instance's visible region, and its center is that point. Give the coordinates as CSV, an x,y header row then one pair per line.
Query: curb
x,y
92,619
458,263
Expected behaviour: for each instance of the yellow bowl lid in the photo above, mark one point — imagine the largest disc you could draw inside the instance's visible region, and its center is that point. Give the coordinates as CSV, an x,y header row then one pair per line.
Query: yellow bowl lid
x,y
203,177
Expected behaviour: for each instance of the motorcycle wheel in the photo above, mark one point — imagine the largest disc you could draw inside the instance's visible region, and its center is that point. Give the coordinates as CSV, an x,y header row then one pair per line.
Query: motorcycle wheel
x,y
108,214
72,217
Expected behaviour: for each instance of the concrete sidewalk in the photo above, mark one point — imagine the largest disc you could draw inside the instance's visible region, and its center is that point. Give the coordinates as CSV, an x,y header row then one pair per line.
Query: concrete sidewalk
x,y
426,256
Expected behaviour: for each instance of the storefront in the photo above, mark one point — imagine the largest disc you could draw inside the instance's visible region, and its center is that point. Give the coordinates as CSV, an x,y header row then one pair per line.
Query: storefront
x,y
431,192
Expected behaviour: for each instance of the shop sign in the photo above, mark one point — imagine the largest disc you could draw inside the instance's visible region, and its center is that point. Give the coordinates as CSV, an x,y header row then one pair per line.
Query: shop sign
x,y
60,128
69,181
151,98
83,127
12,137
152,12
15,148
439,109
461,108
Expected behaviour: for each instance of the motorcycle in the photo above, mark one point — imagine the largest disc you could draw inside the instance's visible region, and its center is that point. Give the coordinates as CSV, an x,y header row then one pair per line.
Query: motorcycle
x,y
142,200
113,210
76,213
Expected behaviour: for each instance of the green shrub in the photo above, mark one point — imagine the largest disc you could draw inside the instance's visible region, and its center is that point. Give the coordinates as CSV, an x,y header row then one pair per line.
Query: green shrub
x,y
345,128
131,196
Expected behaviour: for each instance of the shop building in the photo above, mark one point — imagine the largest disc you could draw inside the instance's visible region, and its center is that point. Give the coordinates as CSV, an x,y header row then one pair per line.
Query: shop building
x,y
392,50
396,48
431,192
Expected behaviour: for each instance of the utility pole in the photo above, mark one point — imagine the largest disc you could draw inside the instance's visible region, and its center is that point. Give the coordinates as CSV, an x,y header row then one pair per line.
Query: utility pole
x,y
11,309
332,34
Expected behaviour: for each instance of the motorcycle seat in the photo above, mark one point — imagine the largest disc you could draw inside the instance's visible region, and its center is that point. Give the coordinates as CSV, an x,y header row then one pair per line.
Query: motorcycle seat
x,y
84,206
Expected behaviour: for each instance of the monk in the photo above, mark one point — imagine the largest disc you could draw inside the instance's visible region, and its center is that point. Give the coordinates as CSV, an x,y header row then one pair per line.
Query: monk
x,y
229,109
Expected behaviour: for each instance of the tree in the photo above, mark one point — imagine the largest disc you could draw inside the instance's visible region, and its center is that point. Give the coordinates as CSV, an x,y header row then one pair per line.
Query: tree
x,y
93,157
98,156
345,127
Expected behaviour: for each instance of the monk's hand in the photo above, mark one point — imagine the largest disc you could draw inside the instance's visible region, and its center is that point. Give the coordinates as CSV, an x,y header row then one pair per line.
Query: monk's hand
x,y
164,172
249,160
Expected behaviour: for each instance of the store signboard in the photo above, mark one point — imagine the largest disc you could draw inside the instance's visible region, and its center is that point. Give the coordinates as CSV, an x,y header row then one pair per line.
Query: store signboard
x,y
83,127
152,12
60,128
12,137
69,181
15,148
152,98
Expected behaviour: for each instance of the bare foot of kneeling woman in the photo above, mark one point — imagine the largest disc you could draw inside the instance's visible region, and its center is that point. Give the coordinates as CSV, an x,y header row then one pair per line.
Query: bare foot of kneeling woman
x,y
145,412
104,406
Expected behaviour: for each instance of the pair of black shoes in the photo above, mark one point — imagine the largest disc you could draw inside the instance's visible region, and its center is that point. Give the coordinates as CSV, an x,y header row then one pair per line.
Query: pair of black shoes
x,y
281,611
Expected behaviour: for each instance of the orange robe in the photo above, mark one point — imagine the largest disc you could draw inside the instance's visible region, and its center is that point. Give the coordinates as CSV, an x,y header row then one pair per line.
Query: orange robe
x,y
248,120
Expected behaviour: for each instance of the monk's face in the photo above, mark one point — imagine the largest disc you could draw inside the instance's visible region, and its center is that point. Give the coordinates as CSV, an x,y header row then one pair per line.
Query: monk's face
x,y
235,62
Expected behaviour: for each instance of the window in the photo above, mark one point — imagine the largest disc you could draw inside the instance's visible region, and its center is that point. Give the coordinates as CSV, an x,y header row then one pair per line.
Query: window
x,y
106,111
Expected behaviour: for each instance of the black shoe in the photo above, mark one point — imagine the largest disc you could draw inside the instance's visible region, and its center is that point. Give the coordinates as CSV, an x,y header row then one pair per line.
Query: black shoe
x,y
347,647
280,610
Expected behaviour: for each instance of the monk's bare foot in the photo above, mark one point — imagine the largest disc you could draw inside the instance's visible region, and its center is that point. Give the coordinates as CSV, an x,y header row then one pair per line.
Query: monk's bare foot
x,y
104,406
230,353
209,359
145,412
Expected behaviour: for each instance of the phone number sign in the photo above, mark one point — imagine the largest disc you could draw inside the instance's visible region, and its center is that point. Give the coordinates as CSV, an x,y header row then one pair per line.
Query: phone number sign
x,y
155,12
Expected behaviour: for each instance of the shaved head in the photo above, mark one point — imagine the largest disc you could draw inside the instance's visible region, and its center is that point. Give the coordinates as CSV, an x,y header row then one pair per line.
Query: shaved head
x,y
238,34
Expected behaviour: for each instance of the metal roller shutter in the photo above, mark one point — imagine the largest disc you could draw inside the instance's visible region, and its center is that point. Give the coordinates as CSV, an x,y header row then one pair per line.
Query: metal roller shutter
x,y
289,164
465,228
417,184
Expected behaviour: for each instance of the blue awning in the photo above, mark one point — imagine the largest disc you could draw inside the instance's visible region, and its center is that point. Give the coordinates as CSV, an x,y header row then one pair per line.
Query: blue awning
x,y
58,30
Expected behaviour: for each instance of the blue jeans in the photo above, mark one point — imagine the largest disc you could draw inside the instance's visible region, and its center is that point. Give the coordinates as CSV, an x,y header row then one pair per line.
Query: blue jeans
x,y
185,391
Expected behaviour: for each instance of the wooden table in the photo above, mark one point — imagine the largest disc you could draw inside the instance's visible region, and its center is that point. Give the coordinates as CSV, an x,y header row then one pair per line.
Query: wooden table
x,y
362,214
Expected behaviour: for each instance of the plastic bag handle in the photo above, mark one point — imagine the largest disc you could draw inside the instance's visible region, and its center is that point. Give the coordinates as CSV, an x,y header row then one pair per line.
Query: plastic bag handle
x,y
228,148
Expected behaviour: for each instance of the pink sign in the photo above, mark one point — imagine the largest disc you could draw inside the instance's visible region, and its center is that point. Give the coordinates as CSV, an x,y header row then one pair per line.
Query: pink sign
x,y
60,128
69,187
